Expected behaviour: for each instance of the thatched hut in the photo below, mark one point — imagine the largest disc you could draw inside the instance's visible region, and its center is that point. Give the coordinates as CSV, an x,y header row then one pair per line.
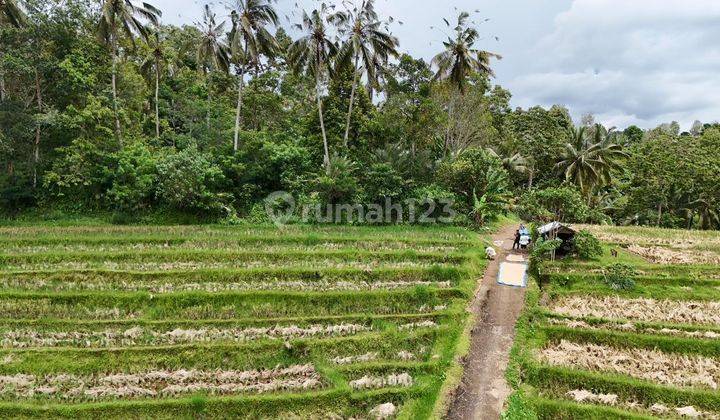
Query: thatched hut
x,y
557,230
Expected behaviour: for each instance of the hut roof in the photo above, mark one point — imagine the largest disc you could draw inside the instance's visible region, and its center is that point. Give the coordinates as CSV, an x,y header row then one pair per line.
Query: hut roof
x,y
555,226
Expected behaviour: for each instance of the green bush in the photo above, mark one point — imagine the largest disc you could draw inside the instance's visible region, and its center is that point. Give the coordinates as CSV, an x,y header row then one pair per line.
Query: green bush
x,y
190,181
134,180
620,276
339,185
586,245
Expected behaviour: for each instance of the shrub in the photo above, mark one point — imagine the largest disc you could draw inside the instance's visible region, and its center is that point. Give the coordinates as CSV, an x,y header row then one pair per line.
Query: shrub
x,y
381,182
190,181
620,276
82,174
339,185
586,245
134,180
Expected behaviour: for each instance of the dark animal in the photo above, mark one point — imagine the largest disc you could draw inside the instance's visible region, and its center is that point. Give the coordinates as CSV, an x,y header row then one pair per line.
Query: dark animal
x,y
614,253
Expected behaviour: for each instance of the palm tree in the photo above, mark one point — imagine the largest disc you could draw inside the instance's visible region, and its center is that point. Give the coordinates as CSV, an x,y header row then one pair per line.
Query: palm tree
x,y
368,44
313,54
151,68
213,53
123,17
515,163
11,13
249,40
589,165
578,137
460,59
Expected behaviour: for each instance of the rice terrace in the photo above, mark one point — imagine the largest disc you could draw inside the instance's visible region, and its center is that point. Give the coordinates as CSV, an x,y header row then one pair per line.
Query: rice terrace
x,y
590,347
231,322
347,322
359,209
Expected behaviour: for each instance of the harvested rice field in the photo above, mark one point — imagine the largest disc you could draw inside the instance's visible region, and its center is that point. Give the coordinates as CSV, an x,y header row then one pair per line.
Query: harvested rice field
x,y
586,348
233,322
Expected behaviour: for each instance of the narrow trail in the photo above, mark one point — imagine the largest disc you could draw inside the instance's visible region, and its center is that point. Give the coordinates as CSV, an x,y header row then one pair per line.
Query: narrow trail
x,y
496,307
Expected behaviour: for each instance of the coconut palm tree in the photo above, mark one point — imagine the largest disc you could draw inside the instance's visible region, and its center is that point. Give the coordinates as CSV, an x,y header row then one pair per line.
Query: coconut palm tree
x,y
151,68
119,17
589,165
459,60
11,13
249,41
213,53
515,163
313,53
368,44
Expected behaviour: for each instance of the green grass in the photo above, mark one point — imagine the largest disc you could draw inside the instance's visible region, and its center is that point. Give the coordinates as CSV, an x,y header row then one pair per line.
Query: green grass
x,y
99,279
541,390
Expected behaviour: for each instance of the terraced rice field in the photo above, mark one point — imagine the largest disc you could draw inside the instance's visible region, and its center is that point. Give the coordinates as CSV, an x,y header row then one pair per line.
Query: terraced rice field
x,y
232,322
585,350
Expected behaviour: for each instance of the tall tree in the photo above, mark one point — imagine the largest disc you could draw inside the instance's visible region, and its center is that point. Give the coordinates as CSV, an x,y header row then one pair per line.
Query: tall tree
x,y
123,17
11,13
368,44
313,54
249,41
151,68
213,53
460,59
589,164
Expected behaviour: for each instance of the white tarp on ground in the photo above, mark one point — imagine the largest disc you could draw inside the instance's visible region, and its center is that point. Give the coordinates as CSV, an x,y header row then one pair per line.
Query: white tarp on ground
x,y
513,274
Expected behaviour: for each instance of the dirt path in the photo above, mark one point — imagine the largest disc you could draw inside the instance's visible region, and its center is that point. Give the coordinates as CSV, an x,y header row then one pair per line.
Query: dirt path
x,y
496,308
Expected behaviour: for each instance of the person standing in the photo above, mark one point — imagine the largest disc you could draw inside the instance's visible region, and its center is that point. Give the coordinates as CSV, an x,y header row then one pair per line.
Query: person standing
x,y
516,244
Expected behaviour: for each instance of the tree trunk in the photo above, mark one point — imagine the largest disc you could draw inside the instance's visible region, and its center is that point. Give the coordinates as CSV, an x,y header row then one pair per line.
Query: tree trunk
x,y
660,213
691,217
451,105
326,159
114,89
157,100
238,112
36,150
532,178
352,101
2,77
209,104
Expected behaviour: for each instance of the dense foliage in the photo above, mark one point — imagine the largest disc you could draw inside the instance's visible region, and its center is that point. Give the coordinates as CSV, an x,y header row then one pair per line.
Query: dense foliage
x,y
206,121
586,245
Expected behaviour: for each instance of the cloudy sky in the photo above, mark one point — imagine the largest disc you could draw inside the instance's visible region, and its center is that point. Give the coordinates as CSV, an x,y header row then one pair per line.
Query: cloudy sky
x,y
641,62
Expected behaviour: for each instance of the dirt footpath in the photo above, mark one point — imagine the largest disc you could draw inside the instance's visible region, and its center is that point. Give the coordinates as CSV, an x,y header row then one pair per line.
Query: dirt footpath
x,y
496,307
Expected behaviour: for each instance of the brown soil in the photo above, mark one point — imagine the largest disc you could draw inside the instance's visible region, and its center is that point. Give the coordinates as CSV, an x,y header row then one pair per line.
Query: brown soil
x,y
496,308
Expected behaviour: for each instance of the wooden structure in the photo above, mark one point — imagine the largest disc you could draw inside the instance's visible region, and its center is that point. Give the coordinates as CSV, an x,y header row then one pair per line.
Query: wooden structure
x,y
557,230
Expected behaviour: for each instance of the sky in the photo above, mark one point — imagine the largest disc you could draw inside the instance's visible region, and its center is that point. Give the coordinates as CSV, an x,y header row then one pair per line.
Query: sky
x,y
642,62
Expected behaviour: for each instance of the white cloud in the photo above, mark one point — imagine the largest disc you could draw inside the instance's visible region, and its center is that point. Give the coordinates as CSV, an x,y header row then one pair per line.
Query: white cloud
x,y
640,61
